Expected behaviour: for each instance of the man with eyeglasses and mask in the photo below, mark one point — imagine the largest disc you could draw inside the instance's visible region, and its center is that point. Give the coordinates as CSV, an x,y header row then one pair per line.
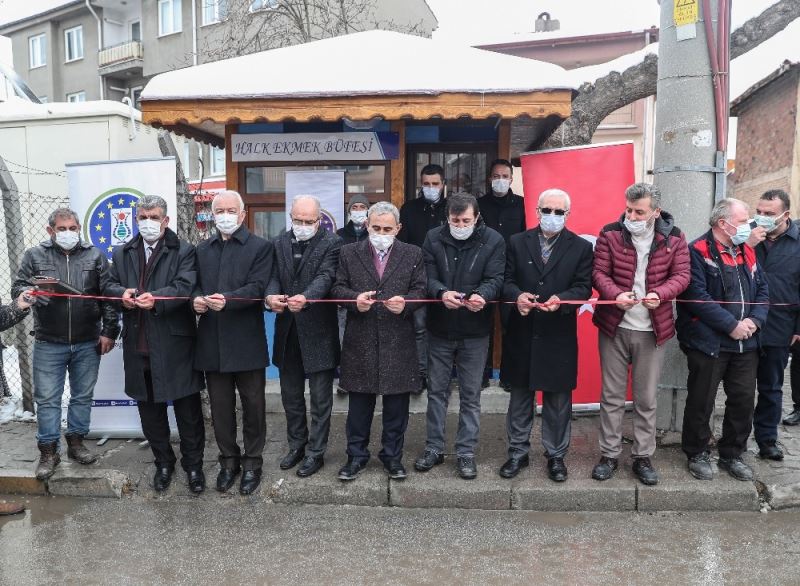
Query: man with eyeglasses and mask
x,y
641,262
777,244
233,269
70,336
546,265
721,340
417,218
306,334
464,261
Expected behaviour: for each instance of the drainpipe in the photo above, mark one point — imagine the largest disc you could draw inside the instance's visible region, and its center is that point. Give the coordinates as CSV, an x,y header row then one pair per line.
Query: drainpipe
x,y
99,43
194,32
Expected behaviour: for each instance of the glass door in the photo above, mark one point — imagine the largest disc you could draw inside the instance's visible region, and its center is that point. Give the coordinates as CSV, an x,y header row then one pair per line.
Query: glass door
x,y
465,166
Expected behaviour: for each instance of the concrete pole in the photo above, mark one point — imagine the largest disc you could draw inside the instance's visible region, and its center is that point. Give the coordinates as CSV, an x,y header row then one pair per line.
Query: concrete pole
x,y
685,155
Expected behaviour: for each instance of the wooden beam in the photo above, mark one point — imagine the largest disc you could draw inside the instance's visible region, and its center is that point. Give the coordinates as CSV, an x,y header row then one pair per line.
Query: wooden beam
x,y
398,166
504,140
231,167
420,107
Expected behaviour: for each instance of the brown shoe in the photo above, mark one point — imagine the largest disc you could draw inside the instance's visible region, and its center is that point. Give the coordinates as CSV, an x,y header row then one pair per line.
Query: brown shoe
x,y
11,508
77,451
48,460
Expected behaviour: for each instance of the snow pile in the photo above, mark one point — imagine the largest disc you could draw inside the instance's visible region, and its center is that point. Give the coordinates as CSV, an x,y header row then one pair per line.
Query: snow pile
x,y
11,410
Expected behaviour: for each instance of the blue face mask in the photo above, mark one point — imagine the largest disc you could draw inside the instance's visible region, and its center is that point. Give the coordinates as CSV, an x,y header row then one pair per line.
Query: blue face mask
x,y
552,223
742,233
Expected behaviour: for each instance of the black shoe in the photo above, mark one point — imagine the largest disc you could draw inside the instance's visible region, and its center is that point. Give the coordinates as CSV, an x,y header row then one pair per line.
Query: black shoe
x,y
293,458
340,391
556,469
395,470
700,466
736,468
644,471
513,465
770,451
197,480
352,469
250,481
466,467
226,478
793,418
428,460
162,478
311,465
605,468
485,382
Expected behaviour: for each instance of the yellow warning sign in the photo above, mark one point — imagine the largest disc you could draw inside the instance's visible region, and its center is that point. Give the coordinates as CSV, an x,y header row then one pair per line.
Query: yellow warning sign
x,y
686,12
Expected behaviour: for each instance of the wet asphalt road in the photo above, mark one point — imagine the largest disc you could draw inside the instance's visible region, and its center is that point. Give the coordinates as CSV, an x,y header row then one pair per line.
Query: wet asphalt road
x,y
235,541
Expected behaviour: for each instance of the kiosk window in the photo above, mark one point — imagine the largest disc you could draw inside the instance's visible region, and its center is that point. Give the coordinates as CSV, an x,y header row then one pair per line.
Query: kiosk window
x,y
368,179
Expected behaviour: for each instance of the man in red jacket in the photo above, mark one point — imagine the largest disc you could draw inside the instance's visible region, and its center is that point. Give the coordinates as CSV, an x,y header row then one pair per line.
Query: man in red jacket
x,y
642,262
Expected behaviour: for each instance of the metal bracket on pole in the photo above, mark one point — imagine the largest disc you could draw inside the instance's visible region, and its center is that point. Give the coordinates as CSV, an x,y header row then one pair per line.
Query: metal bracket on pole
x,y
697,168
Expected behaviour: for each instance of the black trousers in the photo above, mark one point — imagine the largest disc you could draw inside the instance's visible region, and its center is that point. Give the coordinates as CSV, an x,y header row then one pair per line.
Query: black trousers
x,y
222,387
359,424
737,372
191,428
794,375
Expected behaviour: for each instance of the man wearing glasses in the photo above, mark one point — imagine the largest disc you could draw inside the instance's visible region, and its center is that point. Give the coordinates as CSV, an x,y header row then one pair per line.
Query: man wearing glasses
x,y
547,265
306,334
464,262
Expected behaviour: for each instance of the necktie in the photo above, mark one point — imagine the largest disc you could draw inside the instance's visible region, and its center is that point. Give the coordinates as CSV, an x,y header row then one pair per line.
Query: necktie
x,y
148,253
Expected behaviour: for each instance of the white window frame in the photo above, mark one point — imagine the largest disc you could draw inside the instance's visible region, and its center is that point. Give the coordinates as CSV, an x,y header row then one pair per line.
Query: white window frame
x,y
216,9
76,97
76,34
265,5
214,167
130,29
40,52
175,14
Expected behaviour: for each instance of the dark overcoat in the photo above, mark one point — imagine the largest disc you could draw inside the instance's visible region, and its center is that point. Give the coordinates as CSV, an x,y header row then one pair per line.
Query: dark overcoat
x,y
234,339
540,350
169,326
317,324
379,352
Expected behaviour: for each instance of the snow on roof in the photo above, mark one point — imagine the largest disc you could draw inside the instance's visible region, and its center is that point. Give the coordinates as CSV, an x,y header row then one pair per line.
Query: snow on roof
x,y
588,29
17,10
17,109
374,62
592,72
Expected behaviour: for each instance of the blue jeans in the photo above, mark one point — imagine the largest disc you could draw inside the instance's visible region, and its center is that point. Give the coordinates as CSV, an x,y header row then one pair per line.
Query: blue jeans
x,y
51,361
769,407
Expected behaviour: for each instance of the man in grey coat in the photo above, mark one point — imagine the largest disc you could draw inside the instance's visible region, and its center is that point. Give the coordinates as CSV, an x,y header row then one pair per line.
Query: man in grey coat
x,y
379,353
158,339
307,335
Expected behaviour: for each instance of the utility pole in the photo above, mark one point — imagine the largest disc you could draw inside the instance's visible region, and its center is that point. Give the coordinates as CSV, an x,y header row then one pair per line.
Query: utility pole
x,y
685,155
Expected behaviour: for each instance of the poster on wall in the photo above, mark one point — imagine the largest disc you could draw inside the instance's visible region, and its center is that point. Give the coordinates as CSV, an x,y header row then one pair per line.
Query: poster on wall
x,y
595,177
104,195
326,186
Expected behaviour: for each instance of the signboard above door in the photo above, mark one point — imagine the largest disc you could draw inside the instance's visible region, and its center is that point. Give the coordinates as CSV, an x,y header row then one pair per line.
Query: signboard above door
x,y
339,146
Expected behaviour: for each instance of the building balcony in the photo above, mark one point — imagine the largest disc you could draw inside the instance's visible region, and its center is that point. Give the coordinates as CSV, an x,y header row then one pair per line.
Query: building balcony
x,y
122,58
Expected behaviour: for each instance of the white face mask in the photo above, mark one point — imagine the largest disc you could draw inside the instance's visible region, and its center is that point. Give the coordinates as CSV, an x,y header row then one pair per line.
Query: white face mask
x,y
431,194
462,232
303,233
358,216
639,227
382,242
67,239
150,230
227,224
501,186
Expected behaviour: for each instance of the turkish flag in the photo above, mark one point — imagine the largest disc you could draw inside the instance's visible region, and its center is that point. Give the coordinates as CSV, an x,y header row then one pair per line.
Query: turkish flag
x,y
595,177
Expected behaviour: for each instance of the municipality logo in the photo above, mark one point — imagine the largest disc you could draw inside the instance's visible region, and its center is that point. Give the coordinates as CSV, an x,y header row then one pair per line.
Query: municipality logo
x,y
109,219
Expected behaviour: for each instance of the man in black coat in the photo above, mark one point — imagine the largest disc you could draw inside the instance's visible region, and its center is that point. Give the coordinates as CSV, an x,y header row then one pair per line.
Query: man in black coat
x,y
464,263
546,265
306,336
378,356
504,211
233,269
417,218
158,338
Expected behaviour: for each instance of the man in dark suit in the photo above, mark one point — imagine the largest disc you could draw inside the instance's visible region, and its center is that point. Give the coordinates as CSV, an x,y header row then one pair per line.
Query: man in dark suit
x,y
307,336
233,269
379,355
158,339
546,266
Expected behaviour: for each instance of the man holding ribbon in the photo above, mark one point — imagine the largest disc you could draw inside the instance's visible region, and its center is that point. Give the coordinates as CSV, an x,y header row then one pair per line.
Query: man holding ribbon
x,y
306,333
720,316
641,262
546,266
71,335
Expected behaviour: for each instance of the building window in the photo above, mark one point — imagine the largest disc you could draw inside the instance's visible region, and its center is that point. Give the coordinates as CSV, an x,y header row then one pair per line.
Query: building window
x,y
213,11
73,43
136,31
263,5
37,51
76,97
217,161
169,17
